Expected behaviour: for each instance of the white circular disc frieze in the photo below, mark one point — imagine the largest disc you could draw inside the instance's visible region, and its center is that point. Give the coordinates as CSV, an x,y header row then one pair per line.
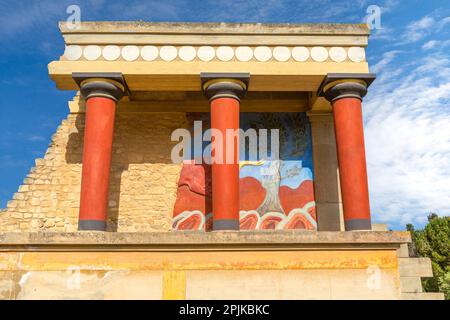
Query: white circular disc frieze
x,y
282,54
130,53
338,54
356,54
244,53
319,54
92,52
168,53
225,53
263,54
300,54
149,53
206,53
111,53
187,53
73,53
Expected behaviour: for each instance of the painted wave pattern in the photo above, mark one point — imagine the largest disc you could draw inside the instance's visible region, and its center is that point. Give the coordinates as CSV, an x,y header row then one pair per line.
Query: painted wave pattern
x,y
299,218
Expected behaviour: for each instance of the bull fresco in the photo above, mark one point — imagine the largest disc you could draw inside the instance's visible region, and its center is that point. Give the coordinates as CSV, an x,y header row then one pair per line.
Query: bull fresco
x,y
274,193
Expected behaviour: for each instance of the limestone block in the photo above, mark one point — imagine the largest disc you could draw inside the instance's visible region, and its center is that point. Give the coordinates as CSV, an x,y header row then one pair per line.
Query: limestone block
x,y
92,285
7,285
17,215
423,296
289,284
11,204
49,223
411,284
18,196
415,267
379,227
403,251
24,226
24,188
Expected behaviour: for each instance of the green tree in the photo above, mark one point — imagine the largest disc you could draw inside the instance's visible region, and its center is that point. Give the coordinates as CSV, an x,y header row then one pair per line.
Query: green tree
x,y
434,242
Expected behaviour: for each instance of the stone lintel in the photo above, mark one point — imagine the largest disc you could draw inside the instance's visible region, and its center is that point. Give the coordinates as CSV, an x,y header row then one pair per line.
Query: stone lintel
x,y
201,241
179,75
216,28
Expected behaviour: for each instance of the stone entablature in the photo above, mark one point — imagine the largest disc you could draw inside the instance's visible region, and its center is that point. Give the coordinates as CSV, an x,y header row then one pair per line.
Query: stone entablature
x,y
170,56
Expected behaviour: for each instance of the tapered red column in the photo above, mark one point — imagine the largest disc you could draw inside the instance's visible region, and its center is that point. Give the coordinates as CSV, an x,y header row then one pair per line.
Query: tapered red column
x,y
345,96
224,92
101,96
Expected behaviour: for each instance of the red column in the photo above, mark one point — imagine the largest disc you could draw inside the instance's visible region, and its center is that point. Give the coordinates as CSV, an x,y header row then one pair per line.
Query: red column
x,y
348,124
101,91
98,137
345,92
224,91
225,176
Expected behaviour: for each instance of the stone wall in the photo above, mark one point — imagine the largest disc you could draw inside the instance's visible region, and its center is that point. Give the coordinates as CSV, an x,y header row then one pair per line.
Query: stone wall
x,y
286,264
143,180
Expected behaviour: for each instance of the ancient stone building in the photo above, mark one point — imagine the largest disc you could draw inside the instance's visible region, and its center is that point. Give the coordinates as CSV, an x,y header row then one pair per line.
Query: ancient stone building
x,y
108,213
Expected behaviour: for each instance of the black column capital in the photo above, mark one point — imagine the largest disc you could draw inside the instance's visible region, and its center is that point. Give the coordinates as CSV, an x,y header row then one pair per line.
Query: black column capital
x,y
224,85
345,85
108,85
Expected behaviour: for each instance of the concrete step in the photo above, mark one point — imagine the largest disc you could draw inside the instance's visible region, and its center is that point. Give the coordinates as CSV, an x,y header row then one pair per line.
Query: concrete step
x,y
415,267
422,296
411,284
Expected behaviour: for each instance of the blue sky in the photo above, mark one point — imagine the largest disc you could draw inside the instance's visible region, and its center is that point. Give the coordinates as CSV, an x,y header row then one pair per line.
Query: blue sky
x,y
406,113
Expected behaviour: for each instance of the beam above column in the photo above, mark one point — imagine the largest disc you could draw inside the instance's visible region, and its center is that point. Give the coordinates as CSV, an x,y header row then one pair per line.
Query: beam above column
x,y
183,76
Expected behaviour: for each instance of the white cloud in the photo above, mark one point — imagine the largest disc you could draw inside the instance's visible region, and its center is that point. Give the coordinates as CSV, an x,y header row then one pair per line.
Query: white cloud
x,y
435,44
417,30
8,161
385,60
430,44
389,5
443,23
36,138
407,129
383,33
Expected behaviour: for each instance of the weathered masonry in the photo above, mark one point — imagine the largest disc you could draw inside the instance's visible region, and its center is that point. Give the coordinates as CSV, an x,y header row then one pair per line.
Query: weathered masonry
x,y
294,227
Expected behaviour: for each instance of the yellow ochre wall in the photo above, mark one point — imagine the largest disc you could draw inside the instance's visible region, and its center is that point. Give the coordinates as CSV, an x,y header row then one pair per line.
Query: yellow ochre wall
x,y
318,274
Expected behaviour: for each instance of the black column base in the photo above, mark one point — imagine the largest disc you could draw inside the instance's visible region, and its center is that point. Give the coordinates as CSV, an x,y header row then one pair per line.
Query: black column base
x,y
91,225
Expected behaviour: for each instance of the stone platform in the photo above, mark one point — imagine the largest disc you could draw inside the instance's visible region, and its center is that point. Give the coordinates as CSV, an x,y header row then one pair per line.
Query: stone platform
x,y
217,265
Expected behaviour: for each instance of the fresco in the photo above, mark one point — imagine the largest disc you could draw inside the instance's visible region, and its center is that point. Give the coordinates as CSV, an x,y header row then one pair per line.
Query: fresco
x,y
274,194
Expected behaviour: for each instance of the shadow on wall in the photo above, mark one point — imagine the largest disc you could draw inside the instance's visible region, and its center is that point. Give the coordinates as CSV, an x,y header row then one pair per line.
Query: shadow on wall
x,y
141,151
